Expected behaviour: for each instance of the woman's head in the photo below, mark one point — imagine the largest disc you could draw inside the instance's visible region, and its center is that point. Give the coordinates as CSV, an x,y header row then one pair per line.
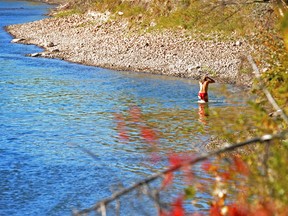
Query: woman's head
x,y
204,78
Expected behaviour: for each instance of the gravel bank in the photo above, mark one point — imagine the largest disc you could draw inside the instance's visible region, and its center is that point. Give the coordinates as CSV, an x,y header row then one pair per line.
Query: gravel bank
x,y
90,39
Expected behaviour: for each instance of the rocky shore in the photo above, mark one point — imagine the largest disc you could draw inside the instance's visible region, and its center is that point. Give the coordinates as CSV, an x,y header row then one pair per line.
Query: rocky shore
x,y
92,39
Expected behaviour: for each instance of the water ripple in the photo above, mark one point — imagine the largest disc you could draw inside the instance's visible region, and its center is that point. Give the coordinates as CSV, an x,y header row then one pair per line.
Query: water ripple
x,y
49,107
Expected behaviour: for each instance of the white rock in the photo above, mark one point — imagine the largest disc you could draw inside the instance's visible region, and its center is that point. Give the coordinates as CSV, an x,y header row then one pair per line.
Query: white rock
x,y
101,17
153,24
238,43
35,54
16,40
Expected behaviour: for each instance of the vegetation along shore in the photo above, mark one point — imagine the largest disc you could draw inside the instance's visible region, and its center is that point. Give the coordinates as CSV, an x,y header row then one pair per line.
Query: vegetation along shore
x,y
230,41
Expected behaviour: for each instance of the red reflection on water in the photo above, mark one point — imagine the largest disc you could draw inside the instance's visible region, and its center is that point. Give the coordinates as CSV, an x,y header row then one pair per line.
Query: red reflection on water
x,y
203,112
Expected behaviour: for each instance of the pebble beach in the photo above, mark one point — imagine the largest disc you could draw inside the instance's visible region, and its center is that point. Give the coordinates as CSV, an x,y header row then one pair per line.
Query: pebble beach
x,y
93,39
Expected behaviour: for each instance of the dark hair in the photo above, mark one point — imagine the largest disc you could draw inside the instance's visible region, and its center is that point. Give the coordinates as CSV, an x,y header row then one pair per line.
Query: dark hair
x,y
204,78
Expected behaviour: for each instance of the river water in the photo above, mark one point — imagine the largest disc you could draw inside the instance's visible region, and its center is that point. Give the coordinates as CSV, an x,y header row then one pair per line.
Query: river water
x,y
52,112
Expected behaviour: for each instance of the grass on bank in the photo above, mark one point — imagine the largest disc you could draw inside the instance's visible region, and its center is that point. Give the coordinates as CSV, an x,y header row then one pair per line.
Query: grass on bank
x,y
197,16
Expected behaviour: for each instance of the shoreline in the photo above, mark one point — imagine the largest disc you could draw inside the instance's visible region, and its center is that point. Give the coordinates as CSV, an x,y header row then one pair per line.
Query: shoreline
x,y
91,39
51,2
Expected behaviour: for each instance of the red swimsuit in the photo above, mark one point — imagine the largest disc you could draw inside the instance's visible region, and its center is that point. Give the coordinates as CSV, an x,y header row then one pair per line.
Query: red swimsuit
x,y
203,96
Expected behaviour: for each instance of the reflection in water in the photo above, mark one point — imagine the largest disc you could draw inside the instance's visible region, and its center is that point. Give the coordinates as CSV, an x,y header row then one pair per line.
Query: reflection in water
x,y
203,112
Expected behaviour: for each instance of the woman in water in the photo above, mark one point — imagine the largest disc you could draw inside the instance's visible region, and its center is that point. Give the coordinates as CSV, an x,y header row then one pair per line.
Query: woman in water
x,y
203,92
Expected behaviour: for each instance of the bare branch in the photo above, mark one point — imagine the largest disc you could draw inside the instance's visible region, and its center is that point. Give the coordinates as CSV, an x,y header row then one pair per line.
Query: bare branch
x,y
115,196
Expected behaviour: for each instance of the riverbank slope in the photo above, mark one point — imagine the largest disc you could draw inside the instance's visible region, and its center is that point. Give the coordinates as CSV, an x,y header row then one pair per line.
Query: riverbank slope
x,y
93,39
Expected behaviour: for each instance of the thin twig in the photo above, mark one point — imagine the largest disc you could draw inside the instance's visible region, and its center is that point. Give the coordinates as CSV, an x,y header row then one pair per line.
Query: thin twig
x,y
117,210
266,92
266,156
103,209
284,4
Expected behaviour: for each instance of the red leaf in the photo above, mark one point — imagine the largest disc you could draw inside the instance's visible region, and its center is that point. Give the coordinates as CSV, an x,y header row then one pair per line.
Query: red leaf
x,y
178,209
123,135
266,209
120,121
175,160
121,127
135,113
215,210
208,167
235,210
241,167
168,179
188,174
155,157
163,213
118,117
225,175
148,134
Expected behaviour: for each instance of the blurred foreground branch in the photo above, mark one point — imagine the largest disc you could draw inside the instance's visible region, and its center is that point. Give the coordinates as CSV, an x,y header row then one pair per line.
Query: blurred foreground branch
x,y
101,205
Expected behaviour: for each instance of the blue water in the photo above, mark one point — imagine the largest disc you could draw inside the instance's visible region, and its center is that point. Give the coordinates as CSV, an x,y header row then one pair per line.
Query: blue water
x,y
50,110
